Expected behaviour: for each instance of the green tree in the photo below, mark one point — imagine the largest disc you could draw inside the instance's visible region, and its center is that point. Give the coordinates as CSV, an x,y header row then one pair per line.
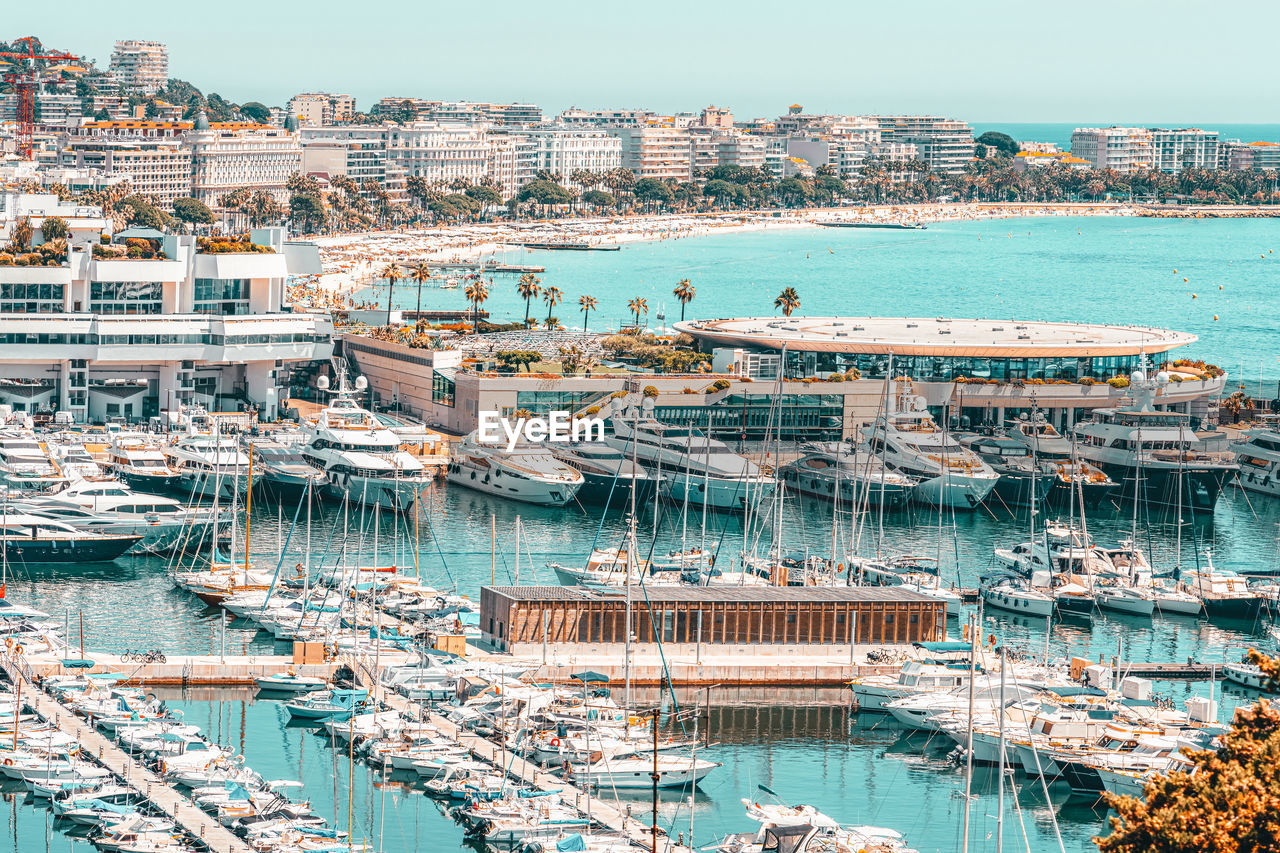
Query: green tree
x,y
476,293
544,193
391,273
306,208
485,195
551,296
1003,143
685,291
54,228
652,192
528,288
598,198
192,211
637,305
256,111
516,359
587,304
141,212
405,113
22,233
788,300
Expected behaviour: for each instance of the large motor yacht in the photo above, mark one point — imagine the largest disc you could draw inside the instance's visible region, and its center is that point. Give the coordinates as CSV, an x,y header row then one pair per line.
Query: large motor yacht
x,y
1258,456
528,473
1154,454
837,470
28,538
609,474
1072,478
208,465
141,464
694,467
26,467
109,507
361,458
911,443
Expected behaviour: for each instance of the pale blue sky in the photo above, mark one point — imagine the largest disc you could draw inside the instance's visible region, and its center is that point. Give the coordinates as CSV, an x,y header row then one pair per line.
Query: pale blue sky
x,y
1013,61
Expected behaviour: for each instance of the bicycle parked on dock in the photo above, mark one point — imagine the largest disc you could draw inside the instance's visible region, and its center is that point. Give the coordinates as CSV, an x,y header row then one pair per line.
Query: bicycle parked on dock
x,y
140,656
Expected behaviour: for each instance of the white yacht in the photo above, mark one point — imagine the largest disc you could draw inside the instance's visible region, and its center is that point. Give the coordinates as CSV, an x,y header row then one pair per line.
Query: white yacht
x,y
609,474
1072,477
208,465
528,473
25,466
361,458
911,443
108,507
693,466
1157,449
1258,456
854,475
141,464
1008,592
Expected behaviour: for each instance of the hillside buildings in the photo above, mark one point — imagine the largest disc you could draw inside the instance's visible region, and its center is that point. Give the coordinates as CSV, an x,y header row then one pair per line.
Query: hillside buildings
x,y
141,67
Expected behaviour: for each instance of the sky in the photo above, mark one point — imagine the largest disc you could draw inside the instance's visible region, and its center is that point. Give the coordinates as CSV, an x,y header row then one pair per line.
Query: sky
x,y
1139,61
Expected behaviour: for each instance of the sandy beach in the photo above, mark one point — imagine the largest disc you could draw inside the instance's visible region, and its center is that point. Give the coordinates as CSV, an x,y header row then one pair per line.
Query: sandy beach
x,y
351,261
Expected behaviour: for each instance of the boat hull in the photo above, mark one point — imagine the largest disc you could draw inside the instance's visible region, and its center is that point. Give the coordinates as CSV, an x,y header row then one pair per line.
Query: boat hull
x,y
852,489
1200,486
955,492
602,490
1015,603
98,550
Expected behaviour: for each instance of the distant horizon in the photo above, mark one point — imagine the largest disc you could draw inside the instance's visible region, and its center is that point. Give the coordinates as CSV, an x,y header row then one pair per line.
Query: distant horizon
x,y
1003,58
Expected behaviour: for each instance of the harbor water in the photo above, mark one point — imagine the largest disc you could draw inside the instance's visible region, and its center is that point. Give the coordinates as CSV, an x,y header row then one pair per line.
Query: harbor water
x,y
805,745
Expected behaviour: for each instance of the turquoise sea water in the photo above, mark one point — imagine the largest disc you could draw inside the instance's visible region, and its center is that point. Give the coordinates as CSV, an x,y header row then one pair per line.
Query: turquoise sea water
x,y
1060,132
803,744
1177,274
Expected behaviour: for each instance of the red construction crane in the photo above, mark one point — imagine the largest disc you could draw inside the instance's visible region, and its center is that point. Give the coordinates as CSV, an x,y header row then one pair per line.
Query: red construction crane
x,y
24,81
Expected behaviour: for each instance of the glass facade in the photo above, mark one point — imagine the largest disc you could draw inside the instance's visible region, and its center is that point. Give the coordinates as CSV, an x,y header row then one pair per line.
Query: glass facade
x,y
223,296
32,298
442,388
755,417
931,368
124,297
545,402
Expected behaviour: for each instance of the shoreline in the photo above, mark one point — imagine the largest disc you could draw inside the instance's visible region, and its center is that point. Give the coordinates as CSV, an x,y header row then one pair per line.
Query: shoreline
x,y
350,261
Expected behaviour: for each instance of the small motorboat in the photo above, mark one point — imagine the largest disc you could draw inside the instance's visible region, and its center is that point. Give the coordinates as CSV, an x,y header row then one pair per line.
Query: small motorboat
x,y
289,682
329,705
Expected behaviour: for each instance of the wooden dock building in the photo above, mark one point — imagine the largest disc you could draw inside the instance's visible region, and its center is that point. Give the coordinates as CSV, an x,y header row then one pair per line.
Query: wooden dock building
x,y
783,619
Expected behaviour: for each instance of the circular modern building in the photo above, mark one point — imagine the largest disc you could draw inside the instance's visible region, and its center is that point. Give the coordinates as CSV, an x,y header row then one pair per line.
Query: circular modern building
x,y
937,349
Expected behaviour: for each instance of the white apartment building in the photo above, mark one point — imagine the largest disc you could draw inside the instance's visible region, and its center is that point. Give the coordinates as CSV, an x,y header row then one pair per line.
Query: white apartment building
x,y
158,168
576,117
721,117
435,151
84,224
945,144
358,159
656,152
225,157
1124,149
140,66
465,112
320,108
563,150
1173,150
134,338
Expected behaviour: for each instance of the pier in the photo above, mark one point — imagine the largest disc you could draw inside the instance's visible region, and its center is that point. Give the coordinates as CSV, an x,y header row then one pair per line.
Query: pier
x,y
484,267
148,785
189,670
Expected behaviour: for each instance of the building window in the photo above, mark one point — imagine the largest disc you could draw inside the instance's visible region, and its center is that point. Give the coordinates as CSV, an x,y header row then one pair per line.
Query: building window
x,y
31,298
222,296
125,297
442,389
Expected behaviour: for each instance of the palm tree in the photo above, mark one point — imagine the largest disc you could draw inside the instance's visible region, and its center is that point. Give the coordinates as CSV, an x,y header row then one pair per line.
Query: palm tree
x,y
476,293
551,296
392,273
685,291
419,272
788,300
637,305
527,287
587,304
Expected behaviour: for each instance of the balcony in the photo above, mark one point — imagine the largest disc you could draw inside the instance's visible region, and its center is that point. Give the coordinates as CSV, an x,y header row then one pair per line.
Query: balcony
x,y
135,269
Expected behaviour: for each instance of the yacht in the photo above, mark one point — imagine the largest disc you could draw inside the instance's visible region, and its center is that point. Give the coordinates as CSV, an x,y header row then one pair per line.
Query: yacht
x,y
1156,449
1022,482
208,465
106,506
1226,594
361,458
25,466
1071,478
608,474
1258,456
528,473
694,467
854,475
282,469
141,464
29,538
911,443
1009,592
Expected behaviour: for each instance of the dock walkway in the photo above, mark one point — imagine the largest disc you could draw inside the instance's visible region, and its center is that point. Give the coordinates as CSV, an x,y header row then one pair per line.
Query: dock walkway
x,y
601,812
149,785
